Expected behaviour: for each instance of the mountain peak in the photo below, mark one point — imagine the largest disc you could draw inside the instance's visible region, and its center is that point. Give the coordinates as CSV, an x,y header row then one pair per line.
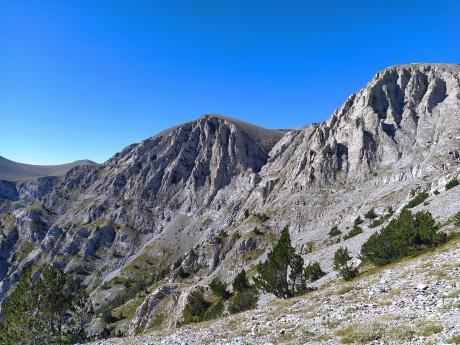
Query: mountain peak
x,y
208,197
424,65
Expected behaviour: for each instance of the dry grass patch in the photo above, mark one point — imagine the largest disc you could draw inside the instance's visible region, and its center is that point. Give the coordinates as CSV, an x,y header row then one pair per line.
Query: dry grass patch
x,y
427,328
455,339
402,332
360,333
344,290
453,294
333,324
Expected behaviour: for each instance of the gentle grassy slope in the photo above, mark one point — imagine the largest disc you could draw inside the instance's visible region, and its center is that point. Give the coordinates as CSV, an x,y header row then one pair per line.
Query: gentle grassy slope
x,y
13,171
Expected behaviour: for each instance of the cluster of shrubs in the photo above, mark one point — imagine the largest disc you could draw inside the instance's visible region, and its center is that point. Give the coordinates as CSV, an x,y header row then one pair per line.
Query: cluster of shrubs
x,y
417,200
371,215
404,235
376,222
132,288
355,231
334,231
284,274
261,217
456,219
199,309
244,297
342,264
452,183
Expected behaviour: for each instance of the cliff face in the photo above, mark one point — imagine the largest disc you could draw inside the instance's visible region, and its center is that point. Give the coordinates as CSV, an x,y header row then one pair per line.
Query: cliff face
x,y
406,115
209,183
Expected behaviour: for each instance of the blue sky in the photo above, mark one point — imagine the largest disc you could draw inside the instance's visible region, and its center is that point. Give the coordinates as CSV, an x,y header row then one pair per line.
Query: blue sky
x,y
83,79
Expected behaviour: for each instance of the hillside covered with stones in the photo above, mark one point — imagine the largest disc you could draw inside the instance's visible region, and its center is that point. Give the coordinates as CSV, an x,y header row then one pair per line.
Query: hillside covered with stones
x,y
411,302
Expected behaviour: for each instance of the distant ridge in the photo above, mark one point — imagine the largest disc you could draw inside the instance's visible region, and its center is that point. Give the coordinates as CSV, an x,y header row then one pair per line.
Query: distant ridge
x,y
14,171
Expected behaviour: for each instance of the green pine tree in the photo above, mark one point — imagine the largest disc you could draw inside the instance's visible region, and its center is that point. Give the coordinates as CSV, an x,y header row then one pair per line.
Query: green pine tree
x,y
19,324
241,282
242,301
54,298
219,288
196,307
313,272
273,273
38,313
341,259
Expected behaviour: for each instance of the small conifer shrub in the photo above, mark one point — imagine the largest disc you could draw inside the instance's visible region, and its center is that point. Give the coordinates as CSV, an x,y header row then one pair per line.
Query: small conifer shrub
x,y
452,183
334,231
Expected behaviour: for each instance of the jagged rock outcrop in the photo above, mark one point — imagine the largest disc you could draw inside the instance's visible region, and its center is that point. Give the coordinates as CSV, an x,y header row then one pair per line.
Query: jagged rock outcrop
x,y
210,196
406,114
159,304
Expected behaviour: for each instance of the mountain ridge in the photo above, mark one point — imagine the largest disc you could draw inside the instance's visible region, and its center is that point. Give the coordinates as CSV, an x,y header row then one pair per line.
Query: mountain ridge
x,y
11,170
210,196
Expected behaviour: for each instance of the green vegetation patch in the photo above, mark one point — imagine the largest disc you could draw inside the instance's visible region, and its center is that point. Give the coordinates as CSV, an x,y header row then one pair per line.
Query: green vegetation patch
x,y
376,222
403,236
206,223
455,339
242,301
420,198
428,328
361,333
313,272
353,232
24,250
452,183
334,231
157,321
371,214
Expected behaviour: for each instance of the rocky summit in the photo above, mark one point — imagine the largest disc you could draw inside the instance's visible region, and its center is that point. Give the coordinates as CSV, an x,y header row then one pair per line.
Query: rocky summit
x,y
210,197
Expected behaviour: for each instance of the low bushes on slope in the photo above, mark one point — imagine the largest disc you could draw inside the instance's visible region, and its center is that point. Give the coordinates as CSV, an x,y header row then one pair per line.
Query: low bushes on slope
x,y
241,282
199,308
353,232
403,236
219,288
342,265
417,200
452,183
243,300
196,307
245,297
313,272
371,214
334,231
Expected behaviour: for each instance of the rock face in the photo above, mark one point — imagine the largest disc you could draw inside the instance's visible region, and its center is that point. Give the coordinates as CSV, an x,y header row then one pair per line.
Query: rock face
x,y
210,196
154,306
407,114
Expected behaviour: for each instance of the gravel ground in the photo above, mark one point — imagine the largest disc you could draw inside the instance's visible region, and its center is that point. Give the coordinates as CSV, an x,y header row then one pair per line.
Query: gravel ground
x,y
416,301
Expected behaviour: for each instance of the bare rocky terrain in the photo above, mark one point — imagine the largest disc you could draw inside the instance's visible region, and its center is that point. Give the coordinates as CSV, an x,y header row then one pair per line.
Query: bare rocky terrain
x,y
211,196
410,302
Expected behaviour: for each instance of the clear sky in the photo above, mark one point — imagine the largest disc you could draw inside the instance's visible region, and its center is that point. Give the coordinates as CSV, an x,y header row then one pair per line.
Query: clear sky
x,y
83,79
